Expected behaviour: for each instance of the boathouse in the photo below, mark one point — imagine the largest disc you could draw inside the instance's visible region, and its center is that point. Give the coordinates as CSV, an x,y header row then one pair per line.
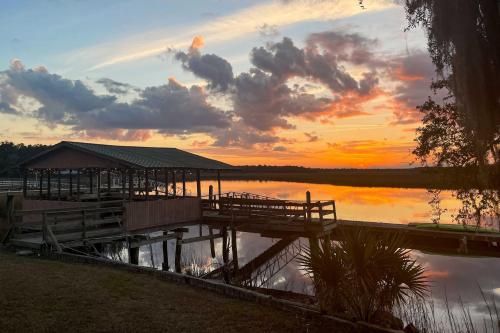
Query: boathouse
x,y
150,182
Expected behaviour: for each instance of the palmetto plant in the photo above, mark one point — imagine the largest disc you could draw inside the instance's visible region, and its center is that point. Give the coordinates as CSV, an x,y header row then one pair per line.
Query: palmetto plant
x,y
363,275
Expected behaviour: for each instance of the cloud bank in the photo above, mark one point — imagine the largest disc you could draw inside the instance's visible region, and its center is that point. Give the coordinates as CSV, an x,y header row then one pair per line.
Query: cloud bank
x,y
268,98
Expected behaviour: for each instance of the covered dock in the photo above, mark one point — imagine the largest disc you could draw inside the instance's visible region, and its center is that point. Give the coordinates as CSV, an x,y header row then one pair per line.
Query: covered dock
x,y
77,196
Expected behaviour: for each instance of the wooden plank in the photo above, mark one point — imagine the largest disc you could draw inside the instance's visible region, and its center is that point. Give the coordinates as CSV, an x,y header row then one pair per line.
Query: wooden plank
x,y
202,238
147,241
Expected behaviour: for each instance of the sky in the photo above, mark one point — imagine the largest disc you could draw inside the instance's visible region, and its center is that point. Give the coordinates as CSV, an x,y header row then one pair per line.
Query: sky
x,y
316,83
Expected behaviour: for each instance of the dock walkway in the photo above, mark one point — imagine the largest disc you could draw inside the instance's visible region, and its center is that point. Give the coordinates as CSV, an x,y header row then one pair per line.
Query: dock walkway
x,y
244,212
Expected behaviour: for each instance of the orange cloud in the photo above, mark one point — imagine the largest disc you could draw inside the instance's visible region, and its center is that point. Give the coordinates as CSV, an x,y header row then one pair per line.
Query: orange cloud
x,y
351,104
402,74
197,43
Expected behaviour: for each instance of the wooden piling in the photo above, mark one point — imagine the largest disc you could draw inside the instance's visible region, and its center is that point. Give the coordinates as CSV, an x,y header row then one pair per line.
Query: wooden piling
x,y
164,265
59,184
210,230
48,184
211,196
70,183
183,183
98,184
225,253
146,181
41,184
313,240
25,183
10,208
124,182
133,255
91,181
165,171
174,184
78,184
130,184
308,203
178,252
198,183
234,248
219,188
109,181
212,243
156,182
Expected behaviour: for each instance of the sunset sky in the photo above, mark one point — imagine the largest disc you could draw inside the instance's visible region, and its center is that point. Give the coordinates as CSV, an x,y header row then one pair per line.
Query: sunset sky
x,y
313,83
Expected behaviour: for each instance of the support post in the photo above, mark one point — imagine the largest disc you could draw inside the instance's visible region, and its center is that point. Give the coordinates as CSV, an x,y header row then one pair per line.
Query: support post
x,y
178,252
183,183
210,196
41,183
156,182
174,184
212,243
25,183
78,184
109,181
234,248
165,171
70,183
133,255
308,202
130,184
59,184
91,181
219,189
225,254
10,208
98,184
164,265
146,181
198,183
313,239
48,184
210,230
123,173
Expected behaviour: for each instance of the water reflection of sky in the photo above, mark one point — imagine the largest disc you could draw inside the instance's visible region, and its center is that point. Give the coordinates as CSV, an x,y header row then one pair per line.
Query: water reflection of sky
x,y
353,203
453,277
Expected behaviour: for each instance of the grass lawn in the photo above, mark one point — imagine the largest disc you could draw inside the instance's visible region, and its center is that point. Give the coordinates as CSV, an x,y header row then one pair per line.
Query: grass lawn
x,y
454,227
39,295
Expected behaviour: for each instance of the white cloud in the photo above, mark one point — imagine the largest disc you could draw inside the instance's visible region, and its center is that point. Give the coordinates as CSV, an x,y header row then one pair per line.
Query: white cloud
x,y
219,30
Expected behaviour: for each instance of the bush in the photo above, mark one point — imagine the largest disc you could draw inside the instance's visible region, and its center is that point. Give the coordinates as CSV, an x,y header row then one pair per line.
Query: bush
x,y
364,276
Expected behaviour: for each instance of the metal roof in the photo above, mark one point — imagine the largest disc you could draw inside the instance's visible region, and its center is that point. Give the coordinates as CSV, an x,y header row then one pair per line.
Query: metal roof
x,y
141,157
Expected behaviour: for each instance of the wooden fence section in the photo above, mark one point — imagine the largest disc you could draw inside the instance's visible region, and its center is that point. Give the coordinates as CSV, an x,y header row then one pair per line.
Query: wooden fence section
x,y
57,228
150,214
238,205
39,206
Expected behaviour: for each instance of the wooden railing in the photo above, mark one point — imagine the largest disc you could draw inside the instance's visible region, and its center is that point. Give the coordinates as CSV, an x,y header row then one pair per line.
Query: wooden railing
x,y
256,206
56,226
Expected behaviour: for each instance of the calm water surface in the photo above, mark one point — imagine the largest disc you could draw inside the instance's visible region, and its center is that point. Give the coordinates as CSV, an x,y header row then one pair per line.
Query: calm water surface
x,y
456,278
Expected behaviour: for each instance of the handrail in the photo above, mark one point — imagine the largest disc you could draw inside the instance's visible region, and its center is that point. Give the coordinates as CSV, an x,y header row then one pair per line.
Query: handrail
x,y
247,204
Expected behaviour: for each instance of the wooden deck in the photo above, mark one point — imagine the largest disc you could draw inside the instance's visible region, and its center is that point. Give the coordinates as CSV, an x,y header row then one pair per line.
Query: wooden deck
x,y
281,218
268,216
112,220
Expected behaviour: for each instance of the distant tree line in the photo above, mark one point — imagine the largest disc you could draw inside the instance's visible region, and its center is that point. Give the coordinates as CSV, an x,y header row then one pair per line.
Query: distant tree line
x,y
12,154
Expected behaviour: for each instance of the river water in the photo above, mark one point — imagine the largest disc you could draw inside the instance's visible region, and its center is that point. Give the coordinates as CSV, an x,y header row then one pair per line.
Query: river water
x,y
455,279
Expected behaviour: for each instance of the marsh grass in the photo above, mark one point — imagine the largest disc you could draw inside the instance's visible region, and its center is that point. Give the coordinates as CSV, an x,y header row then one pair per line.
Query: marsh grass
x,y
428,317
